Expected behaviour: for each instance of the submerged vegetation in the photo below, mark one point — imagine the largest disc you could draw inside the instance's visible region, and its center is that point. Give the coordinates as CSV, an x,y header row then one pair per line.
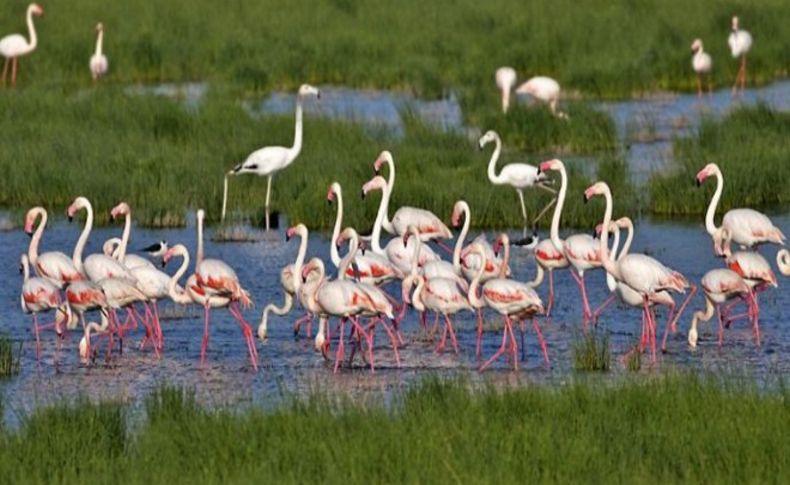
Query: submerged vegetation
x,y
10,356
752,148
436,432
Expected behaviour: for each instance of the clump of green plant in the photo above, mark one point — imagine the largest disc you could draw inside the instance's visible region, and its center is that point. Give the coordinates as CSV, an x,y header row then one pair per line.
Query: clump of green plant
x,y
591,352
10,356
633,360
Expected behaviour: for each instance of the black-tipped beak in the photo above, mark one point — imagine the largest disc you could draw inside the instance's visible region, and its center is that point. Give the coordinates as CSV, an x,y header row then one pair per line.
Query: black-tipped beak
x,y
29,234
21,269
538,169
697,182
584,197
329,201
405,243
164,263
376,171
71,218
363,194
287,237
318,95
355,267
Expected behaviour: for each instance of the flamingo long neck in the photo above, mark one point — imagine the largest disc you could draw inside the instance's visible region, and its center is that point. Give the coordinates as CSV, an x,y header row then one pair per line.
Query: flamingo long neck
x,y
702,315
288,302
555,220
390,186
99,42
505,259
475,300
710,226
25,269
505,98
416,299
611,282
31,29
297,146
127,229
459,244
606,258
492,176
336,231
629,225
297,280
539,273
199,255
181,297
415,254
32,250
353,245
375,238
86,231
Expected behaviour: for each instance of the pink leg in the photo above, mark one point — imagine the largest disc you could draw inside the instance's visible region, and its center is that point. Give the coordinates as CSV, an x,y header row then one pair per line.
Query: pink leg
x,y
393,341
452,333
756,319
5,71
666,329
551,294
38,338
498,352
444,246
513,347
368,338
13,71
247,329
298,323
721,326
602,307
341,346
542,342
586,313
443,341
479,342
204,344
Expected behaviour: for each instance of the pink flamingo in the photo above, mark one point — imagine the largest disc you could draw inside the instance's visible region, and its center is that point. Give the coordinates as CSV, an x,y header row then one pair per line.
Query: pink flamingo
x,y
643,274
746,227
544,89
702,64
783,261
290,280
505,78
98,62
511,299
719,285
39,295
740,41
15,45
53,265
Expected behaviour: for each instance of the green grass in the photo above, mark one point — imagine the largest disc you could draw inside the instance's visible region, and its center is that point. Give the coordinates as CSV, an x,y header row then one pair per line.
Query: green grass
x,y
10,356
676,428
591,352
601,48
752,148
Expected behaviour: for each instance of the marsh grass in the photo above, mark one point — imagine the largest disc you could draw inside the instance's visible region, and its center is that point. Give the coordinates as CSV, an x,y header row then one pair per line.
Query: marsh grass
x,y
591,351
633,361
752,148
666,428
10,356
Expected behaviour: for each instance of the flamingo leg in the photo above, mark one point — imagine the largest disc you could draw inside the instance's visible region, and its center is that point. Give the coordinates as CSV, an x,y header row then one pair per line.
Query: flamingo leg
x,y
204,343
13,71
341,345
436,327
602,307
551,293
38,338
501,348
393,341
440,347
247,331
513,347
368,338
743,72
673,325
721,326
756,318
449,324
541,340
268,196
522,328
586,313
699,85
298,323
523,210
666,328
479,339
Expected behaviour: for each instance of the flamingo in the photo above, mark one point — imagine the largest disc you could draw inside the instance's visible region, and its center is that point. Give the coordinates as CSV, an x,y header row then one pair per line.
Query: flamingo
x,y
111,247
719,286
39,295
544,89
15,45
740,42
643,274
267,161
702,64
505,80
99,62
395,252
783,261
511,299
520,176
131,261
93,328
746,227
290,280
84,296
123,293
52,265
306,293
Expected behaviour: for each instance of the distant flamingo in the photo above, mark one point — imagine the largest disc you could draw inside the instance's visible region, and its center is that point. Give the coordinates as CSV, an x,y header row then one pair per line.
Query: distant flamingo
x,y
39,295
15,45
99,62
783,261
505,80
544,89
52,265
746,227
643,274
719,286
290,280
267,161
520,176
511,299
740,42
702,64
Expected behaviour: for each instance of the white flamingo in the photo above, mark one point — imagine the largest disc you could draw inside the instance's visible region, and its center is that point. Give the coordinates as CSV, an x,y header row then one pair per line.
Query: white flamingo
x,y
702,65
719,286
544,89
52,265
267,161
131,261
740,42
38,295
15,45
98,62
505,80
520,176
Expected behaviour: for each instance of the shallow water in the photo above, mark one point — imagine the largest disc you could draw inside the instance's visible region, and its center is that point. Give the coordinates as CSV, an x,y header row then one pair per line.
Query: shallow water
x,y
291,365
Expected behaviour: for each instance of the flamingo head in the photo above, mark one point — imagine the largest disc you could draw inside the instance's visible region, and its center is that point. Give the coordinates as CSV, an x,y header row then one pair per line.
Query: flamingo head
x,y
297,230
598,188
458,209
313,269
347,233
707,171
696,45
201,215
384,157
334,189
501,241
321,343
487,138
79,203
721,242
734,23
406,285
308,90
410,231
30,219
375,183
177,250
121,209
36,9
100,27
554,164
505,78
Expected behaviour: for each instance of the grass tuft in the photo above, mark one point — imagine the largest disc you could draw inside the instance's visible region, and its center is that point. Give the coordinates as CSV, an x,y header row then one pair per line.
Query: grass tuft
x,y
10,356
591,352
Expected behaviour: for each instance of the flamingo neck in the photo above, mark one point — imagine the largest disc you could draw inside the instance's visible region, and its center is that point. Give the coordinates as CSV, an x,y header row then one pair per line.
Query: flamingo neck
x,y
353,245
375,238
25,269
555,220
297,280
416,299
336,231
86,231
32,250
415,254
505,98
492,176
390,186
539,273
181,297
475,300
297,146
606,258
459,244
263,328
710,226
611,282
32,30
199,255
99,42
127,229
504,264
628,239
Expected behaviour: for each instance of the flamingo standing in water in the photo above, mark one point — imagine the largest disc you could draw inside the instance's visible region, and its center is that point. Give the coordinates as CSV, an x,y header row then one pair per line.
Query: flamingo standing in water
x,y
544,89
15,45
267,161
520,176
719,286
511,299
505,80
740,42
53,265
783,261
98,63
84,296
39,295
702,64
746,227
643,274
290,280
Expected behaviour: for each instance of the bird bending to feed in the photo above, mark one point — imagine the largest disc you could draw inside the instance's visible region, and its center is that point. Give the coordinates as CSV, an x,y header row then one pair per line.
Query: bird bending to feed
x,y
544,89
740,42
746,227
98,63
15,45
267,161
505,80
702,64
719,285
520,176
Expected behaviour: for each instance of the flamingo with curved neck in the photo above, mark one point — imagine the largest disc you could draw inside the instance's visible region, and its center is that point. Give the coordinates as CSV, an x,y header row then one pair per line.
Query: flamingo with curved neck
x,y
52,265
783,261
15,45
98,62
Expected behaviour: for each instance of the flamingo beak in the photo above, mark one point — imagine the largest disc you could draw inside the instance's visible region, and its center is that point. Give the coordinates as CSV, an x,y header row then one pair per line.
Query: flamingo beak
x,y
363,194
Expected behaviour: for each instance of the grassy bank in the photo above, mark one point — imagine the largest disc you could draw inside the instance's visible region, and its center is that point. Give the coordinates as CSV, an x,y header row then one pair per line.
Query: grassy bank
x,y
677,428
751,146
600,48
163,158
